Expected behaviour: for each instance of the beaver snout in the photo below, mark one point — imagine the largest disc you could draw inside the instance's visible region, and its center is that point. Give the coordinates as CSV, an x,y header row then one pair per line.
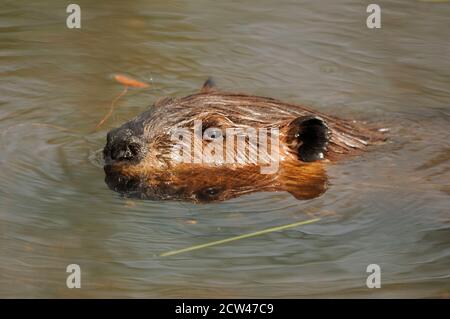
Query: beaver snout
x,y
123,146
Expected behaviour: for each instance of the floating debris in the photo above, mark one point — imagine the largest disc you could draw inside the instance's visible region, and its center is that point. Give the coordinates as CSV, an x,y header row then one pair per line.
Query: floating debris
x,y
227,240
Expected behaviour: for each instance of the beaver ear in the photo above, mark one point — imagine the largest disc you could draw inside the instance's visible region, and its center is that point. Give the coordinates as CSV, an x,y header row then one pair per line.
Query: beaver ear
x,y
308,137
208,86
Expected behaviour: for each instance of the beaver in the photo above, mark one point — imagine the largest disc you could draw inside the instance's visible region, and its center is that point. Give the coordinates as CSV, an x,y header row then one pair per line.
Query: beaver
x,y
148,157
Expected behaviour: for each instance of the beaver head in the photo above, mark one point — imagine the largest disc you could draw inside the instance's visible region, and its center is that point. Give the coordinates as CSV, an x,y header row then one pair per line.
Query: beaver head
x,y
213,146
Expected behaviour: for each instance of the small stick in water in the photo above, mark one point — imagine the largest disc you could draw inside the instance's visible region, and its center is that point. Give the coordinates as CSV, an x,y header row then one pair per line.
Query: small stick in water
x,y
227,240
127,82
111,109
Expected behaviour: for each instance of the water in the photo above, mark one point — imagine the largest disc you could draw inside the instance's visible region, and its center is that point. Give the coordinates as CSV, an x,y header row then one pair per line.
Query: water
x,y
389,207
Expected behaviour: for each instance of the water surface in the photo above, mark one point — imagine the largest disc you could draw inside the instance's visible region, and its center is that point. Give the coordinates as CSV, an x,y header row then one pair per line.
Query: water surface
x,y
389,207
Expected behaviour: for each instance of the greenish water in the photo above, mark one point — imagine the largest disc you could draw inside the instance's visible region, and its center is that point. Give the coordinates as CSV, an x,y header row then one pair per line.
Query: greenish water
x,y
389,207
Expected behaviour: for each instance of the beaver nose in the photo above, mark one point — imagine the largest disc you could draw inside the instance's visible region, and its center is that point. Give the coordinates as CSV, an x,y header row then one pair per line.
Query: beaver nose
x,y
123,146
125,151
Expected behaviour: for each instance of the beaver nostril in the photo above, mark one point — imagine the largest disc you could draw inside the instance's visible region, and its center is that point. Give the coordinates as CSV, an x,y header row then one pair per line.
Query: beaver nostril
x,y
134,149
124,151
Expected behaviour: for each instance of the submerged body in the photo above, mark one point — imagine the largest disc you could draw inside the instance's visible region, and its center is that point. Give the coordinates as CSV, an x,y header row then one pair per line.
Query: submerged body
x,y
143,159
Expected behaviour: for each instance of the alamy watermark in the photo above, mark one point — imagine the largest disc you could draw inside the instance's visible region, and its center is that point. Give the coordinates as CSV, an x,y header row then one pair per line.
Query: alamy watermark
x,y
374,279
241,146
374,19
74,279
73,20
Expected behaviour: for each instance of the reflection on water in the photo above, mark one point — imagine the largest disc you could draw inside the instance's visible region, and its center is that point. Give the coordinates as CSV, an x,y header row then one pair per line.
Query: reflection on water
x,y
389,207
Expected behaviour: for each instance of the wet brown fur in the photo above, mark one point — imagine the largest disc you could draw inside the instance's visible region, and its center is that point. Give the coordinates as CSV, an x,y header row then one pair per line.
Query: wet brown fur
x,y
159,178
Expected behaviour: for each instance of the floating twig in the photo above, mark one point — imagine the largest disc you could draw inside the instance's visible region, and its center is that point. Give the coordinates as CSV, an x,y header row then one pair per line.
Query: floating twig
x,y
111,109
227,240
127,82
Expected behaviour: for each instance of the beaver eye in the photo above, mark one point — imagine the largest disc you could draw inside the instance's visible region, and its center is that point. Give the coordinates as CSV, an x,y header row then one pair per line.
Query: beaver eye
x,y
209,194
212,133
